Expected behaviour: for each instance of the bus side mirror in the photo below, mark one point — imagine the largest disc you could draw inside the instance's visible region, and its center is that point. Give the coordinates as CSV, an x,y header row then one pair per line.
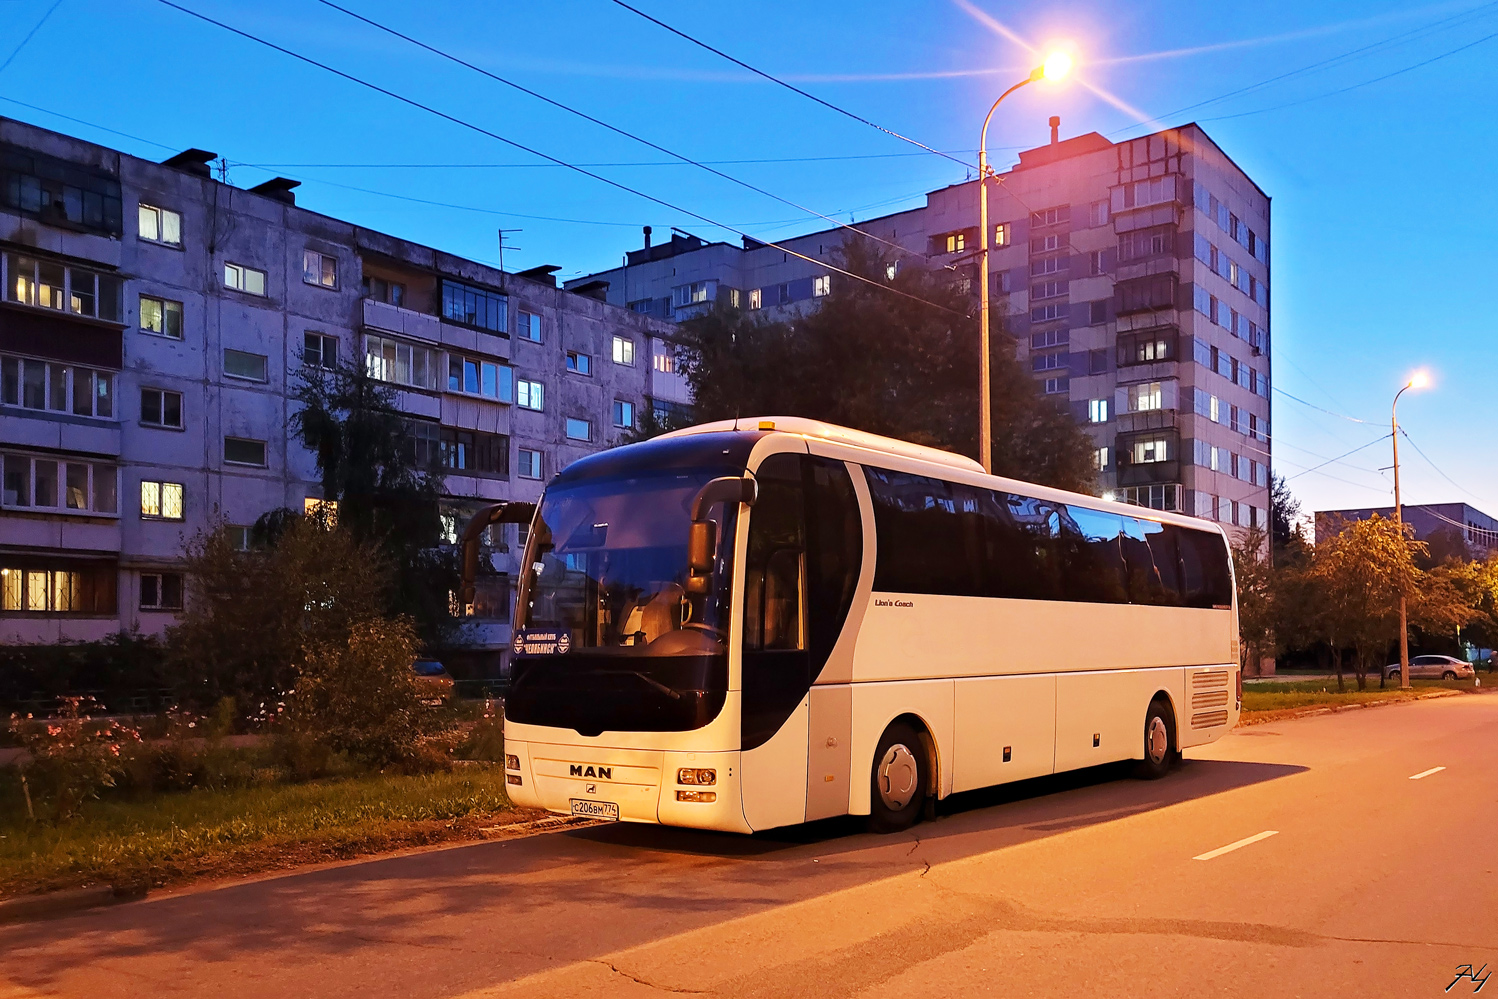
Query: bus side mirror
x,y
700,547
468,545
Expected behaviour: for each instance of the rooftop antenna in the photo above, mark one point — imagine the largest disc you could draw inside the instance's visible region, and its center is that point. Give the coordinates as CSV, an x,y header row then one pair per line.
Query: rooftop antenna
x,y
223,169
503,247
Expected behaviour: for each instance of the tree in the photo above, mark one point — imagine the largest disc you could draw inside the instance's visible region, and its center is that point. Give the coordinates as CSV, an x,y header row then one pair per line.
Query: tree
x,y
1257,616
1284,511
249,613
367,462
888,364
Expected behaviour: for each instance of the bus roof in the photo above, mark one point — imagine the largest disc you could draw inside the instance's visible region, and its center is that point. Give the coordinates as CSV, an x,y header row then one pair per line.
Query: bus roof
x,y
804,427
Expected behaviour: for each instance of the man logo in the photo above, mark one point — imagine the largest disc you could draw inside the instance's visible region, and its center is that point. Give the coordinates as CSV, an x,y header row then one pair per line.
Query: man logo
x,y
602,773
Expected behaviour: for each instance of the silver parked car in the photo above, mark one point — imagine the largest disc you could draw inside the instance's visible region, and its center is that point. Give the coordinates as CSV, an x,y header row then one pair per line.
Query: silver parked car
x,y
1435,668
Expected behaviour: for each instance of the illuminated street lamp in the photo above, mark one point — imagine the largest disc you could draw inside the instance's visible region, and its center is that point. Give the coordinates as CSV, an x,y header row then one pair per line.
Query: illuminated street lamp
x,y
1418,380
1056,66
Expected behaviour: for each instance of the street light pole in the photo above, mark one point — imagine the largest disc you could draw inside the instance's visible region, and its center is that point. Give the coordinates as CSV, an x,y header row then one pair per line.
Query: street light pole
x,y
1055,67
1418,381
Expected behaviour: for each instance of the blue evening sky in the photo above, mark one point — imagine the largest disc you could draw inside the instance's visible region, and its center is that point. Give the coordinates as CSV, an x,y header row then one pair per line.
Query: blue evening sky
x,y
1383,196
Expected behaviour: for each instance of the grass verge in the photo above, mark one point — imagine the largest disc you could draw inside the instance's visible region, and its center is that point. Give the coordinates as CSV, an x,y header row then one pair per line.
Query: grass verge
x,y
1277,700
177,837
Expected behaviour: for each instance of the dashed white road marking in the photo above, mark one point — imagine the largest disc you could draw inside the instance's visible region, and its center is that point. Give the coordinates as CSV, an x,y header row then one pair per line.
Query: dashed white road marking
x,y
1238,845
1426,773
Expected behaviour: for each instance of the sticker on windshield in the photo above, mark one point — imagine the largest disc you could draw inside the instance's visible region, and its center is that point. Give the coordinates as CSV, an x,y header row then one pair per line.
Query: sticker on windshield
x,y
542,642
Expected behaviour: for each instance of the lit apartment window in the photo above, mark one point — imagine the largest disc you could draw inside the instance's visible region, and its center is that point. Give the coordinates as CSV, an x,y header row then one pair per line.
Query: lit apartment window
x,y
319,269
319,350
323,511
62,388
1145,396
88,487
245,279
528,326
578,363
1003,234
160,225
1097,411
476,376
624,350
1100,458
757,297
75,590
733,297
161,316
243,451
579,430
160,591
160,500
956,242
1150,450
821,286
243,364
528,394
48,284
529,463
401,363
624,414
160,408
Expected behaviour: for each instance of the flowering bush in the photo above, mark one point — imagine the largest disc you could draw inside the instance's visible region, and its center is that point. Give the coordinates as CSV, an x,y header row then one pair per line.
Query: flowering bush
x,y
72,757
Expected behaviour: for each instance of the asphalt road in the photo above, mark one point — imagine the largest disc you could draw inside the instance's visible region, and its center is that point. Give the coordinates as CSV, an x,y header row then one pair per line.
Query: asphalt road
x,y
1371,883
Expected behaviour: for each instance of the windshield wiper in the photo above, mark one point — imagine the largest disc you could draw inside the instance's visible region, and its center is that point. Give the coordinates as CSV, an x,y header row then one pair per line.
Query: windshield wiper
x,y
674,694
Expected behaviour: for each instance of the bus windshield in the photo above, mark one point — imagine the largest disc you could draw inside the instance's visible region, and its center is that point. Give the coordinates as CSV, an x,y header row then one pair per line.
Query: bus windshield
x,y
607,564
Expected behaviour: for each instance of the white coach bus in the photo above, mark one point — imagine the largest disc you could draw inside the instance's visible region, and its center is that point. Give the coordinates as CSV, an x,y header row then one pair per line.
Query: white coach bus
x,y
755,623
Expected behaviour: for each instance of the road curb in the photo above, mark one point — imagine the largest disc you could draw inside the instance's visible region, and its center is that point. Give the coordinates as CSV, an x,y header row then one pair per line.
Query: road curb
x,y
62,903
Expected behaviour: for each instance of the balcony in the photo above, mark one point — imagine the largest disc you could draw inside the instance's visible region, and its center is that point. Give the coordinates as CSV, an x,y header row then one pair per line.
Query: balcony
x,y
1154,419
1145,294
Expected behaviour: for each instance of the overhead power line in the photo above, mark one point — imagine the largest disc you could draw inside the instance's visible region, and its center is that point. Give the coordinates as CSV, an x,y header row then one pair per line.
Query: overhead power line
x,y
789,86
1437,467
1328,412
1339,457
603,124
546,156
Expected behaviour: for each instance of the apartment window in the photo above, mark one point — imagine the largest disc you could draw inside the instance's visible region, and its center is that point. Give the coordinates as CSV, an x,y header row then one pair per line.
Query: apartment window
x,y
62,388
1097,411
476,376
624,414
472,451
80,588
528,461
160,500
160,408
87,487
245,279
1047,244
243,451
528,326
691,294
381,290
1100,458
402,363
56,189
1144,397
319,269
1059,215
1147,347
1054,386
1100,213
1048,313
1048,289
48,284
161,316
319,350
528,394
624,350
1049,338
1051,361
733,297
1095,263
1145,451
956,242
160,225
160,591
239,537
579,430
581,364
821,286
1003,234
757,298
474,306
1048,265
243,364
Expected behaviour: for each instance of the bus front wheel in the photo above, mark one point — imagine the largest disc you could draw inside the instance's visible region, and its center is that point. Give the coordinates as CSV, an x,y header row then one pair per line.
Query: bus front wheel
x,y
900,778
1159,742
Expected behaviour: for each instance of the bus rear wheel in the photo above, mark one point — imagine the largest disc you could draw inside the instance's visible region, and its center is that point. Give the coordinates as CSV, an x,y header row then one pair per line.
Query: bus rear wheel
x,y
899,779
1159,742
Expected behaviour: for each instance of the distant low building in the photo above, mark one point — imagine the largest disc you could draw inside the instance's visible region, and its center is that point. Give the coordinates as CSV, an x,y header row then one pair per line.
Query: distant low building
x,y
1444,526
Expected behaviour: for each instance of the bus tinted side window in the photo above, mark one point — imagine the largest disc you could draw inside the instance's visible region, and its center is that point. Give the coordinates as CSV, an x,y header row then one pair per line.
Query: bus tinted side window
x,y
929,534
1206,580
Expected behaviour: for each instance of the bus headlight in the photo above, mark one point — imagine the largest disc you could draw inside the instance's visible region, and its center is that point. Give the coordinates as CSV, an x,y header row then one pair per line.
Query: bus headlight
x,y
703,796
512,762
695,775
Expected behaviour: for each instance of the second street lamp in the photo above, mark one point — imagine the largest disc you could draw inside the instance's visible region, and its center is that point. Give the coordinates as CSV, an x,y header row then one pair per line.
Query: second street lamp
x,y
1417,381
1056,66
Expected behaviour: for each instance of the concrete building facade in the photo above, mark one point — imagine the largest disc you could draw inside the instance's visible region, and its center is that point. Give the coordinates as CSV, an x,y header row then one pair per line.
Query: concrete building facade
x,y
155,323
1133,276
1461,525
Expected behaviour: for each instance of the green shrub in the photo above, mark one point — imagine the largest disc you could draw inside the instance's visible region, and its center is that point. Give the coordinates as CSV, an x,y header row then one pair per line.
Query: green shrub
x,y
486,739
71,757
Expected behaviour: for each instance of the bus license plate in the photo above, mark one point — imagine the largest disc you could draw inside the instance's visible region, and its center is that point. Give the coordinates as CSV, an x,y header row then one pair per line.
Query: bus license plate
x,y
595,809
